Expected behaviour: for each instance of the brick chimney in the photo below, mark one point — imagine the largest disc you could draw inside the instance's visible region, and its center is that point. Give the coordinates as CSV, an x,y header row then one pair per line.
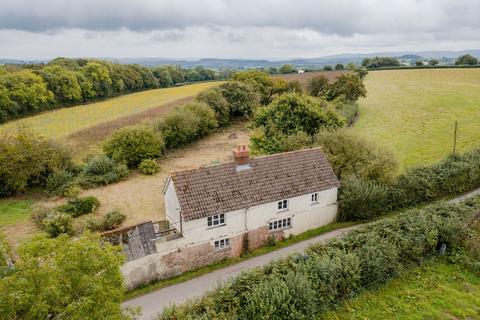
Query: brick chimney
x,y
241,157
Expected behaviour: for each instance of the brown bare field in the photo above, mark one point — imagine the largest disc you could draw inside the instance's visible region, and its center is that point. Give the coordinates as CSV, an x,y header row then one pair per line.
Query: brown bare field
x,y
303,78
88,140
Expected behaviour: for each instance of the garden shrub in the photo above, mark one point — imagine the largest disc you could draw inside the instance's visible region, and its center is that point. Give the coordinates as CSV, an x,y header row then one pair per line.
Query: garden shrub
x,y
79,206
102,170
39,214
110,221
57,223
149,167
215,100
58,181
27,159
302,287
352,155
187,124
132,145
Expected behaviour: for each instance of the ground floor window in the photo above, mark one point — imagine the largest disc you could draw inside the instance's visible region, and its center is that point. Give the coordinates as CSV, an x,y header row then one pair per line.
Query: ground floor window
x,y
222,243
280,224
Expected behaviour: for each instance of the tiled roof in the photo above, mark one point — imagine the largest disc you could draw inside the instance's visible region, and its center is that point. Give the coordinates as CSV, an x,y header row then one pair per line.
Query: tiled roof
x,y
221,188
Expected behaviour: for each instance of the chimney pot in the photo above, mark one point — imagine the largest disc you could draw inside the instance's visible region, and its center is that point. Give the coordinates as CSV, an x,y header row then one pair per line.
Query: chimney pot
x,y
241,155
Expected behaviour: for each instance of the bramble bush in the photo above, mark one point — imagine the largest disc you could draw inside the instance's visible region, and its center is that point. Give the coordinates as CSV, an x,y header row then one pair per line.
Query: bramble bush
x,y
102,170
110,221
353,155
149,167
57,223
132,145
79,206
187,124
27,159
302,286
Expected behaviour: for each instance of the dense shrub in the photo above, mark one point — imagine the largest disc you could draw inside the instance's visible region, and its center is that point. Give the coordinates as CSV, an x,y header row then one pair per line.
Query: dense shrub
x,y
454,175
259,80
318,86
352,155
58,181
27,159
132,145
110,221
332,271
362,198
102,170
290,114
242,98
56,223
149,167
347,109
348,87
187,124
215,100
79,206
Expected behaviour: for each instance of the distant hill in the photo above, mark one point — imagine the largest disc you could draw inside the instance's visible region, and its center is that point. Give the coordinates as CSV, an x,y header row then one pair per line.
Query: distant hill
x,y
301,63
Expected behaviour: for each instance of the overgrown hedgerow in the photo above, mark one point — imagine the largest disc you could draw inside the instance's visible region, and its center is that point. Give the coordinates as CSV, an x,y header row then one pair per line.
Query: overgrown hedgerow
x,y
302,286
361,198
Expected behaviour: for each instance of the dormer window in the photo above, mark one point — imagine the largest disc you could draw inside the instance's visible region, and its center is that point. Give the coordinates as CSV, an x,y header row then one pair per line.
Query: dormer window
x,y
216,220
282,205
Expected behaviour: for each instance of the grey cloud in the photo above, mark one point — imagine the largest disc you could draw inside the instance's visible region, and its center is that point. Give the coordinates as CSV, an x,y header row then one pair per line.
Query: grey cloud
x,y
339,17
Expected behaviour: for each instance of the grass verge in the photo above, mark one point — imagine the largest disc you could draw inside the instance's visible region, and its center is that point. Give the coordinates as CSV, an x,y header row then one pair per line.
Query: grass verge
x,y
435,290
227,262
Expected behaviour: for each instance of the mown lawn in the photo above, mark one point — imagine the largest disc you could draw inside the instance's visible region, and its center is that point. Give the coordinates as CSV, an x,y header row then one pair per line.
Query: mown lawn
x,y
436,290
13,211
413,112
63,122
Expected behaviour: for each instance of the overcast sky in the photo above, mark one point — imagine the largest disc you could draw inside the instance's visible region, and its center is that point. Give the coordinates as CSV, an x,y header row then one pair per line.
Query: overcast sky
x,y
271,29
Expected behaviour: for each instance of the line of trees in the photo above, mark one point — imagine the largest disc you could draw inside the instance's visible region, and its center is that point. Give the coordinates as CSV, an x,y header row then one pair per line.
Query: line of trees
x,y
28,89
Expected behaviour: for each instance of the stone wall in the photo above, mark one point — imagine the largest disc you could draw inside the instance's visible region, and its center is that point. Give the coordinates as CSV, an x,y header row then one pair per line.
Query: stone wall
x,y
165,265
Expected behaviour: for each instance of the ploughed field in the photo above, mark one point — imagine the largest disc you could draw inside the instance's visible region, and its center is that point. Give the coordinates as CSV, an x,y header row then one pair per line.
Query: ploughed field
x,y
304,78
413,112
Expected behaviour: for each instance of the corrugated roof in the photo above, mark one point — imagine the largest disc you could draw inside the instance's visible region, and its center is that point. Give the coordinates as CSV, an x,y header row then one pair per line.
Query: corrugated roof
x,y
218,189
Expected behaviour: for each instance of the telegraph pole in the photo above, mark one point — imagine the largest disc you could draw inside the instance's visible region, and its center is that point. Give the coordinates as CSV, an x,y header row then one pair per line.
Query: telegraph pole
x,y
455,138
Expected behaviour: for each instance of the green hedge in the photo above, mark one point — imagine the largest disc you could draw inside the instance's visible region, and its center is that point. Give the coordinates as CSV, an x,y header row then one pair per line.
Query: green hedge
x,y
454,175
79,206
302,286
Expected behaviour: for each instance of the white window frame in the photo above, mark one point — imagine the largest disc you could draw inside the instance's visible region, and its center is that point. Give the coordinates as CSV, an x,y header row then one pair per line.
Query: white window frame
x,y
314,197
282,205
216,220
280,224
221,244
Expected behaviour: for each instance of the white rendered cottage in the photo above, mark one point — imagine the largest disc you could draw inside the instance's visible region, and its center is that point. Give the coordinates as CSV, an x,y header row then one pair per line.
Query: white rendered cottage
x,y
241,204
222,210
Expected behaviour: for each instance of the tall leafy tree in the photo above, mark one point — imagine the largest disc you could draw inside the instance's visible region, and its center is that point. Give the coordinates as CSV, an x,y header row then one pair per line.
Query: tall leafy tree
x,y
27,90
63,83
259,80
99,77
64,279
466,59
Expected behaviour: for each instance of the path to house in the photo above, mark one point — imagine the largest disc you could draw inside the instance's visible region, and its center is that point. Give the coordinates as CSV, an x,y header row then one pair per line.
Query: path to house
x,y
154,302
